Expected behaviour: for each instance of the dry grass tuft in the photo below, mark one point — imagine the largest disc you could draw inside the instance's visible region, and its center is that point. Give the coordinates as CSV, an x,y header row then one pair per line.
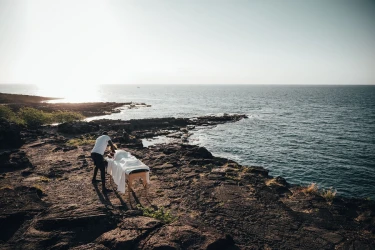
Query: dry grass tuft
x,y
37,186
311,189
329,194
233,177
272,181
6,187
44,179
84,140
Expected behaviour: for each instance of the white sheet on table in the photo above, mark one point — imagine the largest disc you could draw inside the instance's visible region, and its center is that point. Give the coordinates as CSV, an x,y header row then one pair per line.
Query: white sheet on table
x,y
124,163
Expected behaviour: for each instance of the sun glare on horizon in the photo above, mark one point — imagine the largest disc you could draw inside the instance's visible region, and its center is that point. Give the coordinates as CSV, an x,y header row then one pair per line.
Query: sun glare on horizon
x,y
186,42
70,93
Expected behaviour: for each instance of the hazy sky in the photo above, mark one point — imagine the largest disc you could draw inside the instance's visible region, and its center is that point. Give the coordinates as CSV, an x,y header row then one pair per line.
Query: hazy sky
x,y
187,41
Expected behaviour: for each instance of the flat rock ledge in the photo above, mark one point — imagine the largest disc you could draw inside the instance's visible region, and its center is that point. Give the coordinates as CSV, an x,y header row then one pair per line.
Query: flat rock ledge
x,y
47,200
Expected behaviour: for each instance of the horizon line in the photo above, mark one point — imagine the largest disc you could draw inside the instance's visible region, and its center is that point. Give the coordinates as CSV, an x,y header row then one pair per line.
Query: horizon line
x,y
185,84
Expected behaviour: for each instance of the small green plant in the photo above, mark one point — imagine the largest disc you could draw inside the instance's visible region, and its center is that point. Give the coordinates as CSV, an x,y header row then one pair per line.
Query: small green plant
x,y
159,214
8,114
220,204
329,194
84,140
66,116
5,111
34,117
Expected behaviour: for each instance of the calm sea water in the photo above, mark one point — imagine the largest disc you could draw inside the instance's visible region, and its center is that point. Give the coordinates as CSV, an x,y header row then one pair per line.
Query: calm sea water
x,y
321,134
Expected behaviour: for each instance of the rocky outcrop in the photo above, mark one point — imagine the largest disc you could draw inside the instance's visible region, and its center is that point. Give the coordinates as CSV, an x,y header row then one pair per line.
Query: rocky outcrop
x,y
167,123
197,152
78,127
10,135
180,236
195,201
13,160
18,206
214,120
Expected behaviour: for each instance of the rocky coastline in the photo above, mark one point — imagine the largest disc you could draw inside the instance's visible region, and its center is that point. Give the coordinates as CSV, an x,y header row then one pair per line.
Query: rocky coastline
x,y
47,200
88,109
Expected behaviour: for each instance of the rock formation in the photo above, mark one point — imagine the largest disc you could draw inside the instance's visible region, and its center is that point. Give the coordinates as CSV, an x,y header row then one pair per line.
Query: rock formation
x,y
47,200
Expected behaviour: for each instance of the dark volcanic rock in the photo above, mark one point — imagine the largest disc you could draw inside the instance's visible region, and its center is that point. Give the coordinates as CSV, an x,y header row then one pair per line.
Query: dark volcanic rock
x,y
129,233
78,127
64,226
10,136
194,201
281,181
90,246
199,152
214,120
142,124
166,123
18,206
257,170
13,161
187,237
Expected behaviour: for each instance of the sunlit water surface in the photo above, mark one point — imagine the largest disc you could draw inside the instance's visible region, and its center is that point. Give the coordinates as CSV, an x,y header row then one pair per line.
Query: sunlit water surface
x,y
322,134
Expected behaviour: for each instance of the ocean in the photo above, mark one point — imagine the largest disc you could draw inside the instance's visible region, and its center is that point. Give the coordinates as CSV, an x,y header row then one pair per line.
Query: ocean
x,y
306,134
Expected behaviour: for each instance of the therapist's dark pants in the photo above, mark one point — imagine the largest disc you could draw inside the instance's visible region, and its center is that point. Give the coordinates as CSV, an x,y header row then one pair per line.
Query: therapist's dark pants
x,y
99,164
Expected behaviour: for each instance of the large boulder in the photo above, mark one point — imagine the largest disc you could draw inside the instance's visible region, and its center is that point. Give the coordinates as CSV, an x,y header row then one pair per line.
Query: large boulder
x,y
13,161
128,233
187,237
199,152
18,205
78,127
10,136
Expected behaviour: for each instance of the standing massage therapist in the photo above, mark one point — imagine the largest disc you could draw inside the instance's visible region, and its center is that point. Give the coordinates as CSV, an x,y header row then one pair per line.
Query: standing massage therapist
x,y
97,153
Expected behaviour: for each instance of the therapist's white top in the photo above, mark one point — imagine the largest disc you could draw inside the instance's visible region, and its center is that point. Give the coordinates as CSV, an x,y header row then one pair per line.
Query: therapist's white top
x,y
101,144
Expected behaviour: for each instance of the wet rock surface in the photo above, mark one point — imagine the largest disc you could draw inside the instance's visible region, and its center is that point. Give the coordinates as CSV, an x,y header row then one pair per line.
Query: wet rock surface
x,y
49,201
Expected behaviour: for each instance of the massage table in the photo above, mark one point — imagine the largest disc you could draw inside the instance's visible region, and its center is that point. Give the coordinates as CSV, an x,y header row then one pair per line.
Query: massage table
x,y
125,168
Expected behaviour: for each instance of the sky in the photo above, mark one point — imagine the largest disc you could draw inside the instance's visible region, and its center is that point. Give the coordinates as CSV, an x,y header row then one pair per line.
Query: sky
x,y
52,42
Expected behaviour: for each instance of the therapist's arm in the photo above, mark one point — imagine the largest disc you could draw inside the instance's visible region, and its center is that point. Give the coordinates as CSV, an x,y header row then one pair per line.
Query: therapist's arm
x,y
113,147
